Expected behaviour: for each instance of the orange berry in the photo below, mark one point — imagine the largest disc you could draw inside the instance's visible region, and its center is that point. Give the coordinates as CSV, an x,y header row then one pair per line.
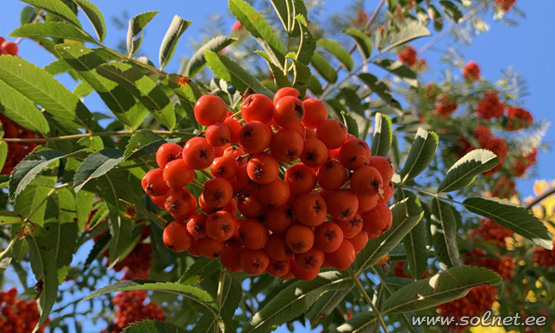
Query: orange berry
x,y
286,145
209,109
253,234
279,219
310,209
278,268
224,167
274,194
254,137
153,183
300,178
210,248
343,257
196,225
328,237
342,204
289,112
230,258
167,152
303,274
310,260
354,154
177,174
351,227
315,112
332,133
366,181
332,175
263,168
286,91
314,153
257,107
378,220
198,153
254,262
176,237
220,225
218,134
299,238
277,248
217,192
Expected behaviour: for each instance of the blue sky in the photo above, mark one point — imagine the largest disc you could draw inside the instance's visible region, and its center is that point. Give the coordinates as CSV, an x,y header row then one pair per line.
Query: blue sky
x,y
527,48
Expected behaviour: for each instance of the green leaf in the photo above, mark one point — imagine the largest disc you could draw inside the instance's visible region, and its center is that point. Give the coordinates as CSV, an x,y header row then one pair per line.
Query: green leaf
x,y
301,77
194,294
315,86
95,16
135,81
451,10
379,87
383,135
136,25
50,249
411,31
307,44
399,69
68,112
141,144
440,288
8,217
280,8
362,41
58,8
420,155
228,70
465,170
351,123
22,110
436,16
295,300
52,29
259,28
323,67
30,167
364,322
202,267
444,234
512,217
280,78
197,62
338,52
406,214
169,43
153,326
85,61
27,15
324,306
29,203
96,165
416,241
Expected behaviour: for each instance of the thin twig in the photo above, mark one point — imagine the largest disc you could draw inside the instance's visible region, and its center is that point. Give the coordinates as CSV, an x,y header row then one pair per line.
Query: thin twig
x,y
360,287
93,134
540,198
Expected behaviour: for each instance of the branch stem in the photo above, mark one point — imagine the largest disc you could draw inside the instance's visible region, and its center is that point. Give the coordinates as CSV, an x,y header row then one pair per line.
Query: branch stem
x,y
360,287
540,198
93,134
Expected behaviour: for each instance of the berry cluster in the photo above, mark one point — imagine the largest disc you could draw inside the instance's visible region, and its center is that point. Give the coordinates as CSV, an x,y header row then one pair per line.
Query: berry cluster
x,y
492,232
408,56
544,257
445,107
17,315
518,118
490,107
524,162
502,265
506,5
308,194
487,141
471,71
131,308
16,150
475,303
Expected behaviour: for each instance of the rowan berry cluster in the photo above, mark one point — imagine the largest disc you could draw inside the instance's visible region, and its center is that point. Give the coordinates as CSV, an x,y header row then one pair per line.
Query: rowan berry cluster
x,y
445,107
471,71
131,307
492,232
16,150
502,265
7,47
518,118
408,56
308,194
495,144
544,257
490,107
17,315
506,5
475,303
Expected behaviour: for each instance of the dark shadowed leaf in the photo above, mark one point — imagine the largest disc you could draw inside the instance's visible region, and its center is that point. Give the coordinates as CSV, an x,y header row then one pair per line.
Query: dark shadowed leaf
x,y
95,16
197,62
420,155
96,165
444,234
465,170
383,135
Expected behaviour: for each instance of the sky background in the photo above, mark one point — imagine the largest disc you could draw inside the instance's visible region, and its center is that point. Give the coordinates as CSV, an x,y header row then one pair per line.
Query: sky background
x,y
527,47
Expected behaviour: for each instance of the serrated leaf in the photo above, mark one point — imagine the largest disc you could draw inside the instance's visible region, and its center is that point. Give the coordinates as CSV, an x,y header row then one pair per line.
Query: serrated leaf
x,y
136,82
28,202
379,87
96,165
444,234
260,29
3,154
325,305
52,29
406,214
197,61
420,155
22,110
143,143
307,44
398,68
351,123
323,67
8,217
30,167
301,77
68,112
58,8
228,70
338,52
512,217
280,8
85,61
315,86
465,170
451,10
280,78
415,241
194,294
295,300
436,17
411,31
50,248
27,15
95,16
362,41
153,326
440,288
136,25
202,266
383,135
169,43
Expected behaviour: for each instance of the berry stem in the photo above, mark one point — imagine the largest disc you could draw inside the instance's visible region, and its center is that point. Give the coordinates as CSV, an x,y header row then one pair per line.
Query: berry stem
x,y
236,114
360,287
94,134
151,216
219,297
10,245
